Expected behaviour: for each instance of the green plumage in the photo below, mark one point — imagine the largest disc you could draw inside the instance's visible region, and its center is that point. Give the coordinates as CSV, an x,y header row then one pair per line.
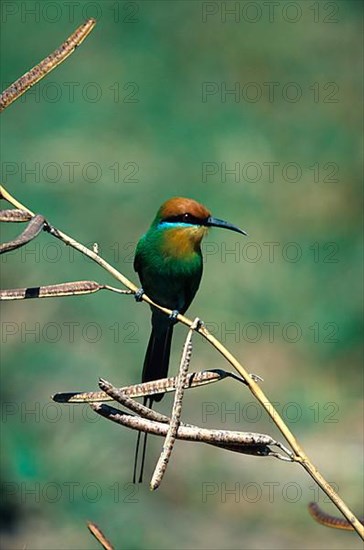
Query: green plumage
x,y
171,281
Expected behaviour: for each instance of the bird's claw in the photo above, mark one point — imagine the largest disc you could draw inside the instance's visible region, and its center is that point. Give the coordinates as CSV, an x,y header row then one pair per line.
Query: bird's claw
x,y
139,295
173,316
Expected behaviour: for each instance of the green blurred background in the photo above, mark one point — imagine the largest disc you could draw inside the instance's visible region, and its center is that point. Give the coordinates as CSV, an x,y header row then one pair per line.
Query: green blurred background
x,y
131,115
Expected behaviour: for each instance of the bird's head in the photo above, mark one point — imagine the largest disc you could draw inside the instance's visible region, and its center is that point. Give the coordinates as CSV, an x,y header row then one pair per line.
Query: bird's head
x,y
187,221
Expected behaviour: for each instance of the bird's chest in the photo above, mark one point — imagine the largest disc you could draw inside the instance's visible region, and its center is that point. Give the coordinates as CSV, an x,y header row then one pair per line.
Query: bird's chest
x,y
171,268
170,257
174,252
176,263
172,281
181,244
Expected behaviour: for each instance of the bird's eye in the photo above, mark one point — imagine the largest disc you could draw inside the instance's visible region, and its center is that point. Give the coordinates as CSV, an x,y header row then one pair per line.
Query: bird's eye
x,y
186,217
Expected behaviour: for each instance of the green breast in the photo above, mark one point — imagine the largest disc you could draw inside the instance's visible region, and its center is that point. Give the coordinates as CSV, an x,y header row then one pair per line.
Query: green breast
x,y
170,273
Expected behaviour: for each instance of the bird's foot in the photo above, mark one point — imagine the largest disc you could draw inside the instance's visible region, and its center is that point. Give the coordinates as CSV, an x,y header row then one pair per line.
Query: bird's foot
x,y
139,295
173,316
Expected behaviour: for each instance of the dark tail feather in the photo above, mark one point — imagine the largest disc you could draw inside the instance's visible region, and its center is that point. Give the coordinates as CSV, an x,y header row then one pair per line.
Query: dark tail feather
x,y
156,360
150,404
156,365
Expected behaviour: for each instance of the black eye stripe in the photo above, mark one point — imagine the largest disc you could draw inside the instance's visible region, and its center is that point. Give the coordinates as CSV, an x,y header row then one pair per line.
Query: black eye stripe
x,y
184,218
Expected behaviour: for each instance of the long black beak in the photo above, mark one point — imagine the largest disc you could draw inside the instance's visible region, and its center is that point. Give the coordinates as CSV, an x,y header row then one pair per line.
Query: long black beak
x,y
215,222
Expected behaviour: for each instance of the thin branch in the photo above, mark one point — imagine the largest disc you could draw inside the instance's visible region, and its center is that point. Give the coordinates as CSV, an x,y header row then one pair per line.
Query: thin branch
x,y
255,389
99,536
81,248
20,86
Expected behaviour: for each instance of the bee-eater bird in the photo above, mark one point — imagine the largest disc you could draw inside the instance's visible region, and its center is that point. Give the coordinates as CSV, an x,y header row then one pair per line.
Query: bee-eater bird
x,y
168,261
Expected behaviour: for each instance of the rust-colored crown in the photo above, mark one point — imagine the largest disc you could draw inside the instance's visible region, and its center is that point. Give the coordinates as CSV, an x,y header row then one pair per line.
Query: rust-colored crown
x,y
178,206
